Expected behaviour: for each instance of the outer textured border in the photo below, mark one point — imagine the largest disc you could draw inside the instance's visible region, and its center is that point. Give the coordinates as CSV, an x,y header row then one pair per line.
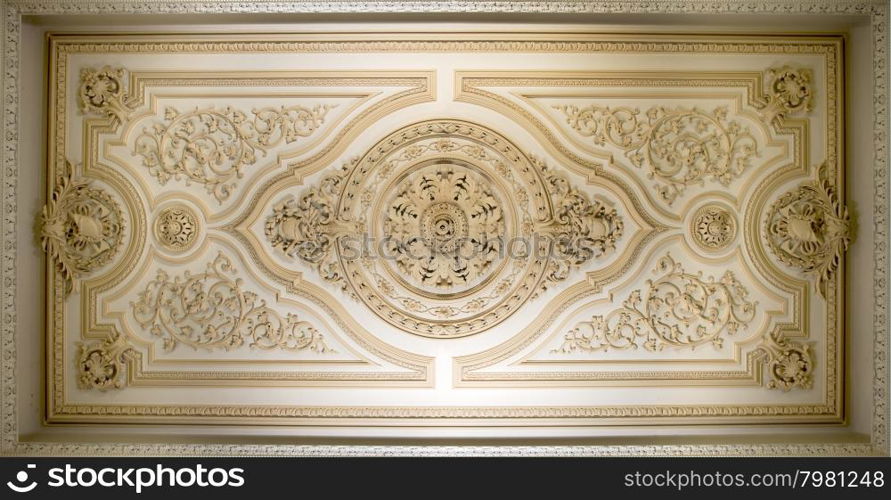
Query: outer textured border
x,y
13,10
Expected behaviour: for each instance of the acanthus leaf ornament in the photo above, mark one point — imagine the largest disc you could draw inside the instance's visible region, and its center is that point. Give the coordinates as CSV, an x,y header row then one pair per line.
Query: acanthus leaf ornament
x,y
790,364
582,229
789,91
677,147
102,364
81,228
103,92
211,310
677,309
451,195
809,229
212,146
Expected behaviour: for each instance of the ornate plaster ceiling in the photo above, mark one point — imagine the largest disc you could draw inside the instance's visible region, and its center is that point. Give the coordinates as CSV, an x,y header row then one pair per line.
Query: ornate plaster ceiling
x,y
292,230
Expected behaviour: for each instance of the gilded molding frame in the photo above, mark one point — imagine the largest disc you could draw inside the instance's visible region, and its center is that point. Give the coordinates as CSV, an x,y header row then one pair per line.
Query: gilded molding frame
x,y
14,10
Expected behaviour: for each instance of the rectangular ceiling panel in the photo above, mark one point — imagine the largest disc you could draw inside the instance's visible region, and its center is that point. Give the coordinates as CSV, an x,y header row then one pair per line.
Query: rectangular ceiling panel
x,y
510,229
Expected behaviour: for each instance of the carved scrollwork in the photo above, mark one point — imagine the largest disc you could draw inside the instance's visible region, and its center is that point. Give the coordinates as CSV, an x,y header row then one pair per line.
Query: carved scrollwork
x,y
210,310
789,91
790,364
676,309
451,196
306,227
81,228
213,146
102,364
582,229
103,92
809,229
678,147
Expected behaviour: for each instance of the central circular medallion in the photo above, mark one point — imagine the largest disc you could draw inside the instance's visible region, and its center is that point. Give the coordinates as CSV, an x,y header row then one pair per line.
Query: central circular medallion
x,y
444,228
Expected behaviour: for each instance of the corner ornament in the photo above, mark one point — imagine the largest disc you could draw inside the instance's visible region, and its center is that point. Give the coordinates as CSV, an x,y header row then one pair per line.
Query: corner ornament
x,y
789,91
790,364
81,228
102,364
809,229
103,92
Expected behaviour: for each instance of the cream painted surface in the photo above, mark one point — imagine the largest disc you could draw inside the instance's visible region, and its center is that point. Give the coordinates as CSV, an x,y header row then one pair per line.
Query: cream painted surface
x,y
443,351
712,312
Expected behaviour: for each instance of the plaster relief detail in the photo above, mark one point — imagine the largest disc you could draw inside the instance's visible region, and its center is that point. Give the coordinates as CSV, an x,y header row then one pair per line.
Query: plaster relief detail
x,y
176,228
713,227
809,229
102,364
445,227
676,146
213,146
212,310
624,228
305,227
453,196
81,228
675,310
791,362
789,91
582,229
103,92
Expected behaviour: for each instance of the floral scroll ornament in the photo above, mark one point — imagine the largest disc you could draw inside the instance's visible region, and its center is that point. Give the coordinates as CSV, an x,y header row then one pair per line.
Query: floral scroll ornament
x,y
306,227
809,229
790,364
678,147
210,146
789,91
103,92
81,228
102,364
677,310
211,310
582,228
213,146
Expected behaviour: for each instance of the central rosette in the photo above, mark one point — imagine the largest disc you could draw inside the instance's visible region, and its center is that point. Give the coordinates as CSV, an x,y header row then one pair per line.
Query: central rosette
x,y
444,228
